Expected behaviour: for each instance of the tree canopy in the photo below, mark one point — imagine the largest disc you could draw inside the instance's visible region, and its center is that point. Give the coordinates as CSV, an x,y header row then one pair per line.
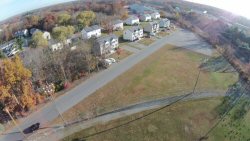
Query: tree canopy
x,y
38,40
61,33
85,18
15,86
64,19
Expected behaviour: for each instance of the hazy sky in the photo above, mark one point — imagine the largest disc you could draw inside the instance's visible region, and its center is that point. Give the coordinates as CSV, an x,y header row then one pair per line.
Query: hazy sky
x,y
10,8
239,7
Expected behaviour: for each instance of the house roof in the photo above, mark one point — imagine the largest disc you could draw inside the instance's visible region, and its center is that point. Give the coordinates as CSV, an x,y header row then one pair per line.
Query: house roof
x,y
117,22
106,38
152,23
146,15
33,30
133,18
92,28
164,20
134,28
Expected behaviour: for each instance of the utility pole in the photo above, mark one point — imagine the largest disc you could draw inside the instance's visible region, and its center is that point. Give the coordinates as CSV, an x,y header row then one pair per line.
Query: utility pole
x,y
7,111
50,90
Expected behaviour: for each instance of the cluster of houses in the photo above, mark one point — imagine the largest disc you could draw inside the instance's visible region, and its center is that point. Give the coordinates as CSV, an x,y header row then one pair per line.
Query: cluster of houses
x,y
109,43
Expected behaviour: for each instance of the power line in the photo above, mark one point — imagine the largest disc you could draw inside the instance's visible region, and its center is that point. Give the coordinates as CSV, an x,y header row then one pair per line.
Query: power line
x,y
146,115
235,102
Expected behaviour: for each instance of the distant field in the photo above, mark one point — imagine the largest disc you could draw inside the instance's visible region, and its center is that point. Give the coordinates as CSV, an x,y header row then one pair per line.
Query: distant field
x,y
185,121
169,71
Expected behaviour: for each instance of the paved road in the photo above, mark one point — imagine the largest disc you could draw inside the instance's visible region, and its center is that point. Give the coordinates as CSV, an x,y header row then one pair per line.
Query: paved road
x,y
47,113
59,133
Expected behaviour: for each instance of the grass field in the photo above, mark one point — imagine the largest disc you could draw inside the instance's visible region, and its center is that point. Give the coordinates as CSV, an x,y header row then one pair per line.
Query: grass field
x,y
232,130
186,121
169,71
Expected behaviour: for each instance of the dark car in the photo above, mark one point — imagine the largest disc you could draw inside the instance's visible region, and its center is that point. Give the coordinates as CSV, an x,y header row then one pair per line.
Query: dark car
x,y
32,128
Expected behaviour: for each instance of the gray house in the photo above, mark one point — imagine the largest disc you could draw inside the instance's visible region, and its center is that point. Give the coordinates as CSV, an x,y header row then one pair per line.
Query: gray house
x,y
105,45
164,23
152,27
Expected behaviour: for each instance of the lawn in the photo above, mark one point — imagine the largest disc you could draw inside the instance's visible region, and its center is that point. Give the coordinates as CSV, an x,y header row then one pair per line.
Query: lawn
x,y
167,72
146,41
124,53
163,33
184,121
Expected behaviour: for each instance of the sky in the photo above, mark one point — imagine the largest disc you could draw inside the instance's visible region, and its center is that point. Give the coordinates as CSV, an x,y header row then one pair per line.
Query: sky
x,y
239,7
10,8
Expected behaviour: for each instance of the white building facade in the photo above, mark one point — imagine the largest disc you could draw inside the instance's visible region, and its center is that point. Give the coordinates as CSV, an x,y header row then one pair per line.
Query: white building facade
x,y
155,15
152,27
105,45
118,25
133,20
164,23
145,17
132,34
89,32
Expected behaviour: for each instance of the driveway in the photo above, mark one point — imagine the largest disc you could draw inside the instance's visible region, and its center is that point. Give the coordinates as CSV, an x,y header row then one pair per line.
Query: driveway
x,y
182,38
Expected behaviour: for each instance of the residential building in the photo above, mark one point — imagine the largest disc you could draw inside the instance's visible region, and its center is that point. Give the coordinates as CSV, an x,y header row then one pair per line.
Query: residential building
x,y
164,23
145,17
105,45
151,27
118,25
155,15
23,32
132,20
33,30
89,32
46,35
134,33
56,46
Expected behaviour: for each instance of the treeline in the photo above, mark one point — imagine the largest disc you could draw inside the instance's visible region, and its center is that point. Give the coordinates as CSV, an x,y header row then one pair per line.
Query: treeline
x,y
47,18
237,37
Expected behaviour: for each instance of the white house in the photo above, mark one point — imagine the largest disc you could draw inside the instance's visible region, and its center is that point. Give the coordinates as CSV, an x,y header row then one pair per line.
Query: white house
x,y
132,20
93,31
105,45
46,35
118,25
134,33
56,46
155,15
145,17
164,23
151,27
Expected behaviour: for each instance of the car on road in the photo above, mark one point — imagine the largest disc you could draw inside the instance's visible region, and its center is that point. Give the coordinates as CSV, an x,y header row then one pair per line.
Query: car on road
x,y
32,128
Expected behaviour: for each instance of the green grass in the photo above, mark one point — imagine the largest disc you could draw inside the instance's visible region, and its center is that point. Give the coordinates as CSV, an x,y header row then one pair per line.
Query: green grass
x,y
167,72
185,121
232,130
